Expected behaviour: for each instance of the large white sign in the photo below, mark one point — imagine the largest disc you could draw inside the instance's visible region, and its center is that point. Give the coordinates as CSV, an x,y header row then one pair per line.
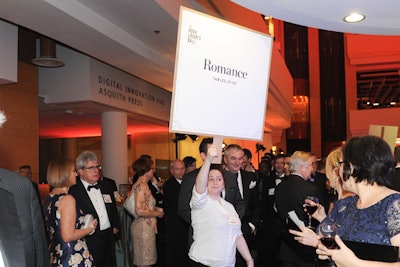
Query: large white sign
x,y
221,78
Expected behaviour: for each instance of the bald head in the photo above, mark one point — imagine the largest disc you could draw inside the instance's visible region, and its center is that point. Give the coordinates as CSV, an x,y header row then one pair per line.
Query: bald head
x,y
177,169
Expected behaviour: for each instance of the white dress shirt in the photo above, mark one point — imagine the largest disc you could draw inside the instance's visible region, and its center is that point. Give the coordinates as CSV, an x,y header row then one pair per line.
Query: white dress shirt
x,y
98,202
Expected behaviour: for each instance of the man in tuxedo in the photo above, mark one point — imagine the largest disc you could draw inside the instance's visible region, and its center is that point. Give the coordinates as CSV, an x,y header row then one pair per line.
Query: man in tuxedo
x,y
290,195
269,232
247,181
176,229
231,192
96,197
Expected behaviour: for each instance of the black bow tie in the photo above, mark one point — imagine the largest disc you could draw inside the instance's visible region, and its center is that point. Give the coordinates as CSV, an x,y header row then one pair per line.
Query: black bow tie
x,y
96,186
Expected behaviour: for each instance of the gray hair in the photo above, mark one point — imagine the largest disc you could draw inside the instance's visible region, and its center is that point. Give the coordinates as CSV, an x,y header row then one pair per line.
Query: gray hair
x,y
298,159
85,157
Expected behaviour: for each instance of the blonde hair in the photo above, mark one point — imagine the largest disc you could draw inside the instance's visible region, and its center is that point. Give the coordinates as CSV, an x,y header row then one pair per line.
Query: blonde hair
x,y
58,172
332,161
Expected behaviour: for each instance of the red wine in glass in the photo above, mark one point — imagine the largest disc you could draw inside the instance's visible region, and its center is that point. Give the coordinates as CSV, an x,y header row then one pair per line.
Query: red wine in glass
x,y
329,242
328,230
311,209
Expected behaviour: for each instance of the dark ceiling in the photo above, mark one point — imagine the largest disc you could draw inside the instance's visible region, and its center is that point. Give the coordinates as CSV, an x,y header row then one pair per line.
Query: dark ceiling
x,y
378,89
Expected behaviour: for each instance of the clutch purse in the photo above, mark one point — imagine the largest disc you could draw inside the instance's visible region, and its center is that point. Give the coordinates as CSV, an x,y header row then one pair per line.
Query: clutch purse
x,y
129,204
87,220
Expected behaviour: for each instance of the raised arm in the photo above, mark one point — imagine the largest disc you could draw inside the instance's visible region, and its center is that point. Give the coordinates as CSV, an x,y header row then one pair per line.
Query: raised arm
x,y
202,177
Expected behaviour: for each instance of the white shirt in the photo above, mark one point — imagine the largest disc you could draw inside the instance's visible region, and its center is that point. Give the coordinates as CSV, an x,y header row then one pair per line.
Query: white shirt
x,y
240,184
98,202
216,226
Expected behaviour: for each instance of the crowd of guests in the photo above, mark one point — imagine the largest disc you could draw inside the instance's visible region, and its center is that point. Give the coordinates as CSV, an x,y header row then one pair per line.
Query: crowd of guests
x,y
223,214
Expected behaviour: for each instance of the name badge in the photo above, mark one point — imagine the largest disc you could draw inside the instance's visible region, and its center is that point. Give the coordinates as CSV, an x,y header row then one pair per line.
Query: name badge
x,y
107,199
271,191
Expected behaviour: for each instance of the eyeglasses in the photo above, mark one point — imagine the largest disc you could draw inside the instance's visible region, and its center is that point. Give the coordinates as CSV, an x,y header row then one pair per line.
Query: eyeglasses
x,y
92,168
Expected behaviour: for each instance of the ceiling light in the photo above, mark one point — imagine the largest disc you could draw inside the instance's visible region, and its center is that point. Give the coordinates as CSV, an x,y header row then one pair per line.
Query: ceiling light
x,y
47,56
354,17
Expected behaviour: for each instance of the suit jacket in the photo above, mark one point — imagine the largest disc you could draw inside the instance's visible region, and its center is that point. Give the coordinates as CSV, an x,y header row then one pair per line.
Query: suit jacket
x,y
320,181
290,195
232,194
85,204
22,232
268,213
250,197
111,183
176,228
175,225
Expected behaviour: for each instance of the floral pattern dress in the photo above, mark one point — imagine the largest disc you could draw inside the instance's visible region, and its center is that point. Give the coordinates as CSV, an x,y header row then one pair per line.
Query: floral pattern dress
x,y
143,230
63,254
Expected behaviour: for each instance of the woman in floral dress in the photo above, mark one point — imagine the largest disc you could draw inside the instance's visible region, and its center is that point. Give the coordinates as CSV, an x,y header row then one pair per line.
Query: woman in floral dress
x,y
64,220
144,228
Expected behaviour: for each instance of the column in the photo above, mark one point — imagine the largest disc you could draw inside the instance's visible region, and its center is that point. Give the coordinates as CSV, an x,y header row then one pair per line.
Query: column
x,y
70,148
114,146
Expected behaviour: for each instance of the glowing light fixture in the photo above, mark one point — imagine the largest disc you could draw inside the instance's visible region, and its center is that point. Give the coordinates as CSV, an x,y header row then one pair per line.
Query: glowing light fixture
x,y
354,17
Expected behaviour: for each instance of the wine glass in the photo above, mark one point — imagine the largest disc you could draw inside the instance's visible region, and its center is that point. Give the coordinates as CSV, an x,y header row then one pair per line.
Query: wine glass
x,y
328,230
311,209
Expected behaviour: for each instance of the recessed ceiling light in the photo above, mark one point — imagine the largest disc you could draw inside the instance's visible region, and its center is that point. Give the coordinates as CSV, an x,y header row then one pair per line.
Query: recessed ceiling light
x,y
354,17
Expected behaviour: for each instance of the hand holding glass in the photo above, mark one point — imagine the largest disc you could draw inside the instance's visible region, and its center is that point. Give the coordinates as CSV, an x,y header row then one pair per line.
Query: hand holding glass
x,y
311,208
328,230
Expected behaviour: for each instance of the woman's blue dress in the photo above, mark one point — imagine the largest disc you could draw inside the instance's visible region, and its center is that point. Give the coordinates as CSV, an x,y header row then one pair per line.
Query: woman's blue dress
x,y
64,254
375,224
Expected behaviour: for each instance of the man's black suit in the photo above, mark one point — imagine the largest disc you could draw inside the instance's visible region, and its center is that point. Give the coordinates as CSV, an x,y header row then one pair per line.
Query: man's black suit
x,y
269,232
176,228
102,243
319,179
290,195
22,232
251,210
